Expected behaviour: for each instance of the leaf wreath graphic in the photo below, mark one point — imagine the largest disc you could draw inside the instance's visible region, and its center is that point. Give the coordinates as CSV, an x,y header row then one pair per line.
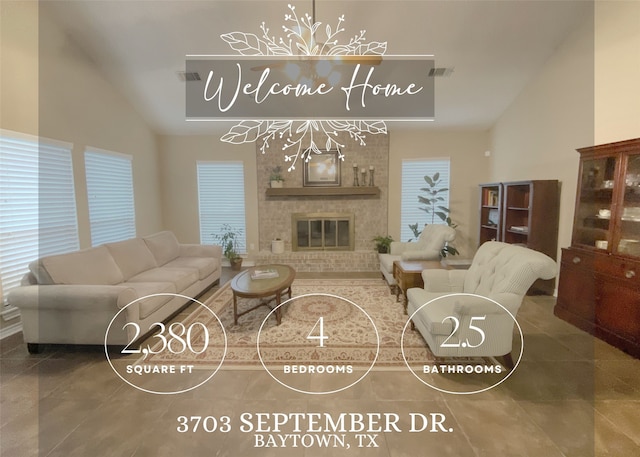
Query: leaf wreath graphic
x,y
300,37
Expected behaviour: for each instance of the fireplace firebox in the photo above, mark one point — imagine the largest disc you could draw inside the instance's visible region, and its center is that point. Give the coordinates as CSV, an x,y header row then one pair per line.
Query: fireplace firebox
x,y
322,232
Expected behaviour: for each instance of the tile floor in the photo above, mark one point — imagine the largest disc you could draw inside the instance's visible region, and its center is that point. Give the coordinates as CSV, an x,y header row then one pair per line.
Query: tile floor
x,y
572,395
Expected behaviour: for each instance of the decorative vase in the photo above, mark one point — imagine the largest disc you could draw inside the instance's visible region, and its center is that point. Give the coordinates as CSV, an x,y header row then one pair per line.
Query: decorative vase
x,y
277,246
277,184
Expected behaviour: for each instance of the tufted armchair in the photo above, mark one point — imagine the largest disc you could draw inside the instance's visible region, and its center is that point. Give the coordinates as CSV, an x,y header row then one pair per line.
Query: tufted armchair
x,y
502,272
427,247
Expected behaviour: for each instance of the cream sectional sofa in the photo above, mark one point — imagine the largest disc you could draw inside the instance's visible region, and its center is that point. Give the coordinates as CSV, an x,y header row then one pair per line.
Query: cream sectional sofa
x,y
71,298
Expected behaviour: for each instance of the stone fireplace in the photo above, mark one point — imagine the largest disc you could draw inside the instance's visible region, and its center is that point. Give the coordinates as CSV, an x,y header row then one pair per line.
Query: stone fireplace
x,y
368,212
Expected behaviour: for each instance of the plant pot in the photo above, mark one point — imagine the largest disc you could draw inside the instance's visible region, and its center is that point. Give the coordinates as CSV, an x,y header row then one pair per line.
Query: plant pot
x,y
236,264
277,184
277,246
382,250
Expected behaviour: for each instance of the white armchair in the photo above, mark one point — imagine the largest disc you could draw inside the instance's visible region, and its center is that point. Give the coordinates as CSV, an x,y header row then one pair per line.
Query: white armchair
x,y
428,246
499,271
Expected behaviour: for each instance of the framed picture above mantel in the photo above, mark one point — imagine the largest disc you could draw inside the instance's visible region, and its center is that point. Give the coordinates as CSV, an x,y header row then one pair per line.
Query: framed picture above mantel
x,y
322,170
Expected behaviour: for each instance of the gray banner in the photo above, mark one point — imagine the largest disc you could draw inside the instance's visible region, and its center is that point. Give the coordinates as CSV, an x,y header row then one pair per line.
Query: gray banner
x,y
349,88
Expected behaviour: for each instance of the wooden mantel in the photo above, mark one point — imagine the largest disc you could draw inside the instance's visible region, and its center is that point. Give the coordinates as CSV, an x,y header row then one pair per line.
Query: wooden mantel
x,y
372,191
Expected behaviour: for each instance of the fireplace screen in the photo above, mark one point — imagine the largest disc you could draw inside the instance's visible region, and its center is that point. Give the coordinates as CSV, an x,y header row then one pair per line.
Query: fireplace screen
x,y
322,231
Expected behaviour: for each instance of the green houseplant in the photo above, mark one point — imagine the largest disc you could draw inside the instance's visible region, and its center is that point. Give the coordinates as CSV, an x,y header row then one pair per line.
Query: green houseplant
x,y
228,239
432,204
432,200
276,179
383,243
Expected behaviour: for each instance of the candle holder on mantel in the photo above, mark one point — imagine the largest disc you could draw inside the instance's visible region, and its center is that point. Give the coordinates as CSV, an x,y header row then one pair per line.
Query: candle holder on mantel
x,y
355,175
363,172
371,170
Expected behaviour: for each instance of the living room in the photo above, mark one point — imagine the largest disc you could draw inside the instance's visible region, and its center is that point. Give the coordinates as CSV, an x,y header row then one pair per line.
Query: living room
x,y
534,138
583,92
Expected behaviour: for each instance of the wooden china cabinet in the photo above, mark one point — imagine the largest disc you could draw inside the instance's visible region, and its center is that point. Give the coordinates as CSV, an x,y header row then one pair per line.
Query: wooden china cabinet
x,y
599,286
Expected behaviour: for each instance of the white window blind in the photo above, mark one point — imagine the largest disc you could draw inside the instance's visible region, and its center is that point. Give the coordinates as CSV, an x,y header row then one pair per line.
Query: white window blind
x,y
37,203
112,214
413,173
221,200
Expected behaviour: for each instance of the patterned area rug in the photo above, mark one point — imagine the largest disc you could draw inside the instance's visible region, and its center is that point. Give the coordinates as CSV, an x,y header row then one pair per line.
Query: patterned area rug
x,y
350,330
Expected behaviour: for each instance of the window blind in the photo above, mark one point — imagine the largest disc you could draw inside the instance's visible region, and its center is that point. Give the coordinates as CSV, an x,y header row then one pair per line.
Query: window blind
x,y
110,194
221,200
413,173
38,207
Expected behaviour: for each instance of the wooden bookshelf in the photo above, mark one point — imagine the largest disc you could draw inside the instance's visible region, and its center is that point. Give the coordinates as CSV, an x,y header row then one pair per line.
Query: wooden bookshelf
x,y
527,213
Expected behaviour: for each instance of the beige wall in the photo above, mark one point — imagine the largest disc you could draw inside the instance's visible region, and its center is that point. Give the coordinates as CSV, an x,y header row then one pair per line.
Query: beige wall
x,y
178,157
537,135
617,71
51,89
469,167
587,93
19,66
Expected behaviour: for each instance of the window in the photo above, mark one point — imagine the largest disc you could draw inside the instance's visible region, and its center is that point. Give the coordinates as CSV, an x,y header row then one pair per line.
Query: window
x,y
221,199
112,214
413,173
37,203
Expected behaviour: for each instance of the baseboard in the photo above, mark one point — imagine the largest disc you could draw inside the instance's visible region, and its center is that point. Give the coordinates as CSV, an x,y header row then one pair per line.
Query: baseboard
x,y
10,330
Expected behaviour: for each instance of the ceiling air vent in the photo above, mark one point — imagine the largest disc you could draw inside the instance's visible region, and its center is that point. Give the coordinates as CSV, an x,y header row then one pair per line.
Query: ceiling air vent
x,y
188,76
440,72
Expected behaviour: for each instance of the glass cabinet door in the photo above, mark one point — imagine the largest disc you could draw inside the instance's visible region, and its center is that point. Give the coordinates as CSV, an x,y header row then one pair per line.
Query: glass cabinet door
x,y
629,242
593,222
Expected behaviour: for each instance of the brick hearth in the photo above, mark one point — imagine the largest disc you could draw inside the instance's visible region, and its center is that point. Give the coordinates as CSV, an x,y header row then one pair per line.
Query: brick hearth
x,y
322,261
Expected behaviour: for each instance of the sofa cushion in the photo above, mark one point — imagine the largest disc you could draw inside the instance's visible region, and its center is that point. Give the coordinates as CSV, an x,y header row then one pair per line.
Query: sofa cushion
x,y
88,266
164,247
180,277
149,305
132,256
205,265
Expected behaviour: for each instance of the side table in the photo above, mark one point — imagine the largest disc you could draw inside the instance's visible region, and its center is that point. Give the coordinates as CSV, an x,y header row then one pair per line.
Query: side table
x,y
408,274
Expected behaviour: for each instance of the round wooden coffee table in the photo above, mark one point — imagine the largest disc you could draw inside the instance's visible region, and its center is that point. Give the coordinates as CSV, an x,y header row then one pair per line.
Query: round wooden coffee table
x,y
270,290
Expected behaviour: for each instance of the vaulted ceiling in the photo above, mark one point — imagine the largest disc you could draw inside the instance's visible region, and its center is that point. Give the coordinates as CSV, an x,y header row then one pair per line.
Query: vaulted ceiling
x,y
494,47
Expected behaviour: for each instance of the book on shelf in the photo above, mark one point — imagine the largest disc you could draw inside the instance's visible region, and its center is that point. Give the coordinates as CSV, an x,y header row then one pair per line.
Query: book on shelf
x,y
264,273
492,198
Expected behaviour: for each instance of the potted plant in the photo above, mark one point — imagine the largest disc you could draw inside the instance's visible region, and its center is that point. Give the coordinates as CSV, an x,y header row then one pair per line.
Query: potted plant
x,y
432,205
383,243
432,201
228,239
276,178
